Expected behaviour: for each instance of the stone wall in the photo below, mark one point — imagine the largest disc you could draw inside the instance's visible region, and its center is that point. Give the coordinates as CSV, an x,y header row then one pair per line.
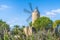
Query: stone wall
x,y
28,31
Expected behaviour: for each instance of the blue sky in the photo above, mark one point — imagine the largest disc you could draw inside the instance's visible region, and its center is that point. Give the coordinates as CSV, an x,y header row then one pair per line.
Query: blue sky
x,y
12,12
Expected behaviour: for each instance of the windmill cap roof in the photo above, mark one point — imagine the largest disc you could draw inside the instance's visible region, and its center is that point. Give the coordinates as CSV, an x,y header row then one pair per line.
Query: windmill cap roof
x,y
36,10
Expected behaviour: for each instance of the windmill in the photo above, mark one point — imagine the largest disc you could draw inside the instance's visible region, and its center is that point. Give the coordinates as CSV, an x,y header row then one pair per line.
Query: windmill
x,y
34,13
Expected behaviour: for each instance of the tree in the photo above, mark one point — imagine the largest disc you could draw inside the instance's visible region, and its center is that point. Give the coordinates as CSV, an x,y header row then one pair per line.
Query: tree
x,y
56,25
43,22
3,27
15,30
57,22
6,36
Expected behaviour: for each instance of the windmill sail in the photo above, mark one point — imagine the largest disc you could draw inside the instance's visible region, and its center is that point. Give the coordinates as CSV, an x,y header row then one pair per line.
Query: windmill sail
x,y
34,14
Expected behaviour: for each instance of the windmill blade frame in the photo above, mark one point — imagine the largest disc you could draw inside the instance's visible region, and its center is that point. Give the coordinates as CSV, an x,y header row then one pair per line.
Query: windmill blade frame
x,y
28,18
30,12
25,10
30,6
36,7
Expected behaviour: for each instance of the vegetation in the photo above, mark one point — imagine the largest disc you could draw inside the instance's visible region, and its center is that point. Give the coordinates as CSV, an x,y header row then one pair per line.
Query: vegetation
x,y
45,30
57,22
43,22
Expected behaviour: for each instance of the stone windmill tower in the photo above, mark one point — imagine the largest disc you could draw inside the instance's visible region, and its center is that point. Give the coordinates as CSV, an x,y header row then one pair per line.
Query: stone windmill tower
x,y
34,13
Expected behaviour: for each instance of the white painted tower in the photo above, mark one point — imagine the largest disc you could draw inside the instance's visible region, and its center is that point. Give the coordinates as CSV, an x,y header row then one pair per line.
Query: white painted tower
x,y
35,15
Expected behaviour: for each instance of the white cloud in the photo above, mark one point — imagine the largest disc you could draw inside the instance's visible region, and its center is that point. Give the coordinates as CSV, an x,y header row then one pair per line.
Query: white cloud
x,y
56,11
52,13
2,7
